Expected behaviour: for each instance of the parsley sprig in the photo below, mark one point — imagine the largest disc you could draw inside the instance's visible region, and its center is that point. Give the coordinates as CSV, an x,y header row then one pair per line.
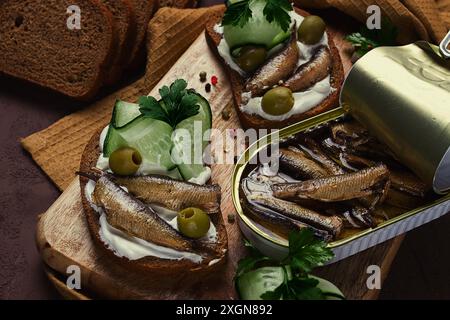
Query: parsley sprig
x,y
366,39
239,13
305,253
176,104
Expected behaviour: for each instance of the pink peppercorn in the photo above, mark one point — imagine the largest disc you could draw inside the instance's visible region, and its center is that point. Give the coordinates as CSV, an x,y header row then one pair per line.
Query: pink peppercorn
x,y
214,80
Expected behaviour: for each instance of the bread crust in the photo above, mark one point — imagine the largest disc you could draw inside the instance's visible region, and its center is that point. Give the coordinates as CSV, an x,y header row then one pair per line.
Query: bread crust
x,y
122,41
237,82
156,266
103,56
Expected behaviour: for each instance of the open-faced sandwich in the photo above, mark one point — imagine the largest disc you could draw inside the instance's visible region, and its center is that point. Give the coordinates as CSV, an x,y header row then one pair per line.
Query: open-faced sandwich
x,y
148,202
283,65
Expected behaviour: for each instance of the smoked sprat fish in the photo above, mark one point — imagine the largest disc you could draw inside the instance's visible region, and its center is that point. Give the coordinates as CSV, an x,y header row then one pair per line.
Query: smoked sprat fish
x,y
295,162
130,215
332,224
172,194
337,188
278,68
311,72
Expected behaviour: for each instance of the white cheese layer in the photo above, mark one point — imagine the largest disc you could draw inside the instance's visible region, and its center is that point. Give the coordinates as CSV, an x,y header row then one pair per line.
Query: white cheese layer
x,y
133,248
304,100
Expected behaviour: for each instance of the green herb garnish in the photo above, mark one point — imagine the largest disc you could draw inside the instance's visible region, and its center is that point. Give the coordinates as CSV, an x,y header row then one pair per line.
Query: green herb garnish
x,y
305,253
366,39
237,14
240,12
176,104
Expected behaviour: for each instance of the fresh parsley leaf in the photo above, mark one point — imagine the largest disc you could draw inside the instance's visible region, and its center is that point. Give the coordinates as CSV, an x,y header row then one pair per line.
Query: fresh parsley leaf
x,y
176,104
366,39
151,108
306,252
277,10
237,14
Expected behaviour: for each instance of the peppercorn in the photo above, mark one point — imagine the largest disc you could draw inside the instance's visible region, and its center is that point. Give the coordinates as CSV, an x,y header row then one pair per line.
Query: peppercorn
x,y
203,75
208,87
214,80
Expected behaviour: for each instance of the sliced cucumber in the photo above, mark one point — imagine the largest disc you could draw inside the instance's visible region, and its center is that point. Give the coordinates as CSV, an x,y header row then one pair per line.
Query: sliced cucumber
x,y
124,112
189,141
257,30
152,138
253,284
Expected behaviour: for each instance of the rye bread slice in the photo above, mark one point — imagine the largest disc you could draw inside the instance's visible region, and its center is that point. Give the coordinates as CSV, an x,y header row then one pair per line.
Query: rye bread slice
x,y
178,270
237,82
36,45
124,30
143,11
177,3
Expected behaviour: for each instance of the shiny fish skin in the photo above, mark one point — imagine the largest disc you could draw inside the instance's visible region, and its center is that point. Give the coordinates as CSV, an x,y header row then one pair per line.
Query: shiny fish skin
x,y
172,194
135,218
332,224
295,162
313,149
311,72
351,133
336,188
271,218
278,68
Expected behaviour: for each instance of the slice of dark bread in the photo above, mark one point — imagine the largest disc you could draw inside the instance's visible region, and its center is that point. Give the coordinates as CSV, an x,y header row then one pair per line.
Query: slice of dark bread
x,y
124,29
143,11
178,270
177,3
237,83
37,45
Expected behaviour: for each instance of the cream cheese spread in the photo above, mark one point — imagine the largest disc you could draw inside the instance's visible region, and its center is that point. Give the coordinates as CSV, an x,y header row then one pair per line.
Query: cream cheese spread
x,y
304,100
124,245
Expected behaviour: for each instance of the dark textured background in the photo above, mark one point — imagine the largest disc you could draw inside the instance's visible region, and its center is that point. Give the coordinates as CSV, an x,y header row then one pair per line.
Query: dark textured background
x,y
419,271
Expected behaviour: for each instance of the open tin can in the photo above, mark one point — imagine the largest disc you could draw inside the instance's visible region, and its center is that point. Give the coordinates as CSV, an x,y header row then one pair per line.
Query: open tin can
x,y
402,96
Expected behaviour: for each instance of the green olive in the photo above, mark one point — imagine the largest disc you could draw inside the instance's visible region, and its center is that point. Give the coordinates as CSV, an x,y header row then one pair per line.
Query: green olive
x,y
125,161
311,30
193,223
278,101
249,58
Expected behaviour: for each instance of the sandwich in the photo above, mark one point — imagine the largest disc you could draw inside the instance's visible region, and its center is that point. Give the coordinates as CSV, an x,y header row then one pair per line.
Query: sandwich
x,y
282,62
148,206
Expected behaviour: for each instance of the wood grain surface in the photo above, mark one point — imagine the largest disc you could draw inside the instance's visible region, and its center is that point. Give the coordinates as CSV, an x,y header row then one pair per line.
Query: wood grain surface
x,y
63,238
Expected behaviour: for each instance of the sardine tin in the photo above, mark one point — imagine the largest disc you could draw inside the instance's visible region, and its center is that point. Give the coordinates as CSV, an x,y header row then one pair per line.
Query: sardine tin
x,y
277,247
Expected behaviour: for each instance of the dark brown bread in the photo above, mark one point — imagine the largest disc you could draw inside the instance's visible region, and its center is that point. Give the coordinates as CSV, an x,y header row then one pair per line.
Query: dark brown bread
x,y
176,269
177,3
124,29
237,83
143,11
36,44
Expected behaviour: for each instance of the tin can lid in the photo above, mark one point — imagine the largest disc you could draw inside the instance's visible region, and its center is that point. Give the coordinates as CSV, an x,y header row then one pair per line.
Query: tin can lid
x,y
402,95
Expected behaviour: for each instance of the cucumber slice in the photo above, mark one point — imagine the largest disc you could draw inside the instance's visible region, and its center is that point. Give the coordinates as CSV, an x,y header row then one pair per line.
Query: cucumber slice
x,y
188,142
257,30
124,112
253,284
152,138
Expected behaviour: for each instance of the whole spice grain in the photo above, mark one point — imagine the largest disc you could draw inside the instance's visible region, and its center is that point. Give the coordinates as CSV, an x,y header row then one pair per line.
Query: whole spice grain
x,y
203,75
231,218
208,87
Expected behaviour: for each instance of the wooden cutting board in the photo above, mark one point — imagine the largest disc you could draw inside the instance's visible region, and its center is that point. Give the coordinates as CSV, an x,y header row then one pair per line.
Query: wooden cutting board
x,y
63,238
